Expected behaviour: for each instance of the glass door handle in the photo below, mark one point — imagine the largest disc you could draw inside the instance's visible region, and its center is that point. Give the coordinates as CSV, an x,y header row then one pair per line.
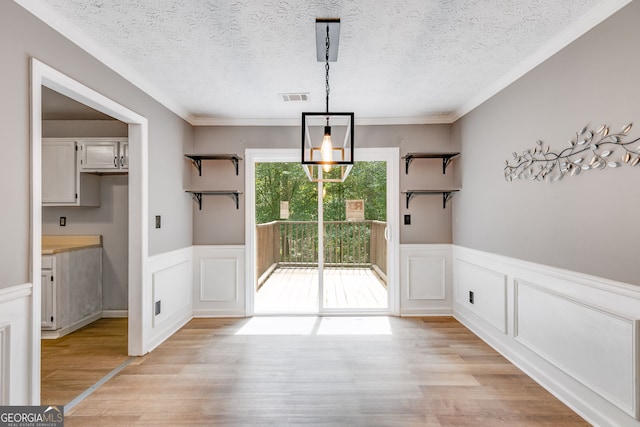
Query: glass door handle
x,y
387,234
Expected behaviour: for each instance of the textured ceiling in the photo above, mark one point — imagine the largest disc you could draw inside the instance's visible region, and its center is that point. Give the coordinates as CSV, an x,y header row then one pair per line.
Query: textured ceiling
x,y
398,59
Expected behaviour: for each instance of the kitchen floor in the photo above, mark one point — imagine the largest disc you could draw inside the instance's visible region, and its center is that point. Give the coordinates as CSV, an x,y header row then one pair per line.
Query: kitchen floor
x,y
73,363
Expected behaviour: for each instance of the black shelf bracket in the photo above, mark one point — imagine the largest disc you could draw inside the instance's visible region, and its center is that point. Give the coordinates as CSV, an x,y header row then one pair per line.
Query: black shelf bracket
x,y
198,199
446,195
197,196
198,164
197,159
445,163
446,159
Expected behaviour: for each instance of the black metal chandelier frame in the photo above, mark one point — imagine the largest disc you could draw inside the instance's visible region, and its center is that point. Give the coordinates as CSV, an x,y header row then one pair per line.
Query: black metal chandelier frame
x,y
315,166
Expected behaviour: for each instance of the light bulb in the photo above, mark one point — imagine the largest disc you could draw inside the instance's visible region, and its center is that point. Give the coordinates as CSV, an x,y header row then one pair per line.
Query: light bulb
x,y
326,149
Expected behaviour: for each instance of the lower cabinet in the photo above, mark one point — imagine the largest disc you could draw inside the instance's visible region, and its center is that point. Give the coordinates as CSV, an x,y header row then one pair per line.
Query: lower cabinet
x,y
71,290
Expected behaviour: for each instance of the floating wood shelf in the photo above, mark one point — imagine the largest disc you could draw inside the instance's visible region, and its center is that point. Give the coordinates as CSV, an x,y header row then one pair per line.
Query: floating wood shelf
x,y
197,159
446,159
197,195
446,195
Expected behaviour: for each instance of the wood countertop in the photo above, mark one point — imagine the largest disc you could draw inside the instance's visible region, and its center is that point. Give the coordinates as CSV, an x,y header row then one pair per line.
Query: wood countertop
x,y
55,244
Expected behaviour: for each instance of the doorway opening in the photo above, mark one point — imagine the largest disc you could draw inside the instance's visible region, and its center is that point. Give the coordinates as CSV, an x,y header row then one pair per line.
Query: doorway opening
x,y
83,286
43,76
322,248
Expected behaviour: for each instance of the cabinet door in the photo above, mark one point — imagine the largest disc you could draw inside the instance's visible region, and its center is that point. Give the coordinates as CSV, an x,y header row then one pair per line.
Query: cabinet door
x,y
58,171
99,155
47,300
124,155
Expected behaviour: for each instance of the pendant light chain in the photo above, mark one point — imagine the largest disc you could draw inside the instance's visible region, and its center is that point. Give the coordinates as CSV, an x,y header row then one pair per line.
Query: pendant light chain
x,y
326,67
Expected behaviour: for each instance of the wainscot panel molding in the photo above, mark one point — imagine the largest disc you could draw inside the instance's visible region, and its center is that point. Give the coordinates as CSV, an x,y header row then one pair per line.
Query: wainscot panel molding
x,y
425,280
15,345
484,292
170,278
219,280
577,335
544,316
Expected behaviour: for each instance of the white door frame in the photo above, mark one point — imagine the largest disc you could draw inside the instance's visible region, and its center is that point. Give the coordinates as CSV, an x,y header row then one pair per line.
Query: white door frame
x,y
44,75
390,155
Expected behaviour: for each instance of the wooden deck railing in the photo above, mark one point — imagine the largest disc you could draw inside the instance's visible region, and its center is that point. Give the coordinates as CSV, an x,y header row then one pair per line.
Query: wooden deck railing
x,y
346,244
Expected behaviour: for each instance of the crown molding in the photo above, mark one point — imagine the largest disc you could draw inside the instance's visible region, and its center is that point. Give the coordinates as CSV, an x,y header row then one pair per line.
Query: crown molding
x,y
363,121
593,17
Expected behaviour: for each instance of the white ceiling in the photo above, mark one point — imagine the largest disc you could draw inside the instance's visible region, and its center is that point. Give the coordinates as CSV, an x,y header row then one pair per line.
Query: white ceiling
x,y
399,61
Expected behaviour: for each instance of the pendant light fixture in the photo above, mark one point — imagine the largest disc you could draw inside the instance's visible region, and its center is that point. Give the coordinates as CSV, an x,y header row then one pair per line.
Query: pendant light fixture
x,y
327,137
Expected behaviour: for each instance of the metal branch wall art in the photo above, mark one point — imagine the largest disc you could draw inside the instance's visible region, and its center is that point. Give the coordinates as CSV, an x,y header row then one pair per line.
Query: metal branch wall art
x,y
588,150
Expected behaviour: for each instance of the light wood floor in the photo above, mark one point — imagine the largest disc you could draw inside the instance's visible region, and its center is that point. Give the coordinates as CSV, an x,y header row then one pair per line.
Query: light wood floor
x,y
331,371
73,363
295,290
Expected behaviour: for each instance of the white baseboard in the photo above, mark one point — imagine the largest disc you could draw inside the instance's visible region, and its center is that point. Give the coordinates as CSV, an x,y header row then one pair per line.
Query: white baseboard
x,y
112,314
576,335
58,333
202,313
429,312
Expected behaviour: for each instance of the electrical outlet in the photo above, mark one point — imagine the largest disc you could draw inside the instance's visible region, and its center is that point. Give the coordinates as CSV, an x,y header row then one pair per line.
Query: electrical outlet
x,y
471,297
63,221
407,220
158,221
158,307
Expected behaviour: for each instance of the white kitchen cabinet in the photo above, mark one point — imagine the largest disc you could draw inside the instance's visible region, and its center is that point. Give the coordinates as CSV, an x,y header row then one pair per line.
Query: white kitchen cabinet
x,y
124,155
58,171
104,155
62,182
71,291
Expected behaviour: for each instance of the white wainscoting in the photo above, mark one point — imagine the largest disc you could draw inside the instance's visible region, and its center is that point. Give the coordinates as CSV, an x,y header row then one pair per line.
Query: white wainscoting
x,y
425,280
489,290
170,276
219,280
15,345
576,335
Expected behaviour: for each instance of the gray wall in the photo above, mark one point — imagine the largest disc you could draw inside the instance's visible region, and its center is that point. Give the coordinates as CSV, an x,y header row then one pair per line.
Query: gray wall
x,y
84,128
587,223
112,222
220,223
23,36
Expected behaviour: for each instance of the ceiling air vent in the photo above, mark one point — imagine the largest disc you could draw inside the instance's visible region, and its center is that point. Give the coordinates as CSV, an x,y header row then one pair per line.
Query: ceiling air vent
x,y
301,96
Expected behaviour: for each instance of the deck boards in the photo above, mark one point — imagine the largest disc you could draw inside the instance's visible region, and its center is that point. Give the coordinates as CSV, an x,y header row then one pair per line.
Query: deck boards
x,y
295,290
382,371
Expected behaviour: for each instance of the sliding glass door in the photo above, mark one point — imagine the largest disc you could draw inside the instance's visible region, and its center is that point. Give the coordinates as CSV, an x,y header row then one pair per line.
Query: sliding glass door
x,y
321,247
353,230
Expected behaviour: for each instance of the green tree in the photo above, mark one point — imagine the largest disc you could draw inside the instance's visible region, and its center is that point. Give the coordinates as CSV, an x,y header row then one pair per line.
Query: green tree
x,y
367,181
277,182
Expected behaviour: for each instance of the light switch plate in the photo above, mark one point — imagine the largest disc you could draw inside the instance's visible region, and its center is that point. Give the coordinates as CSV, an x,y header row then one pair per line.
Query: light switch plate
x,y
63,221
